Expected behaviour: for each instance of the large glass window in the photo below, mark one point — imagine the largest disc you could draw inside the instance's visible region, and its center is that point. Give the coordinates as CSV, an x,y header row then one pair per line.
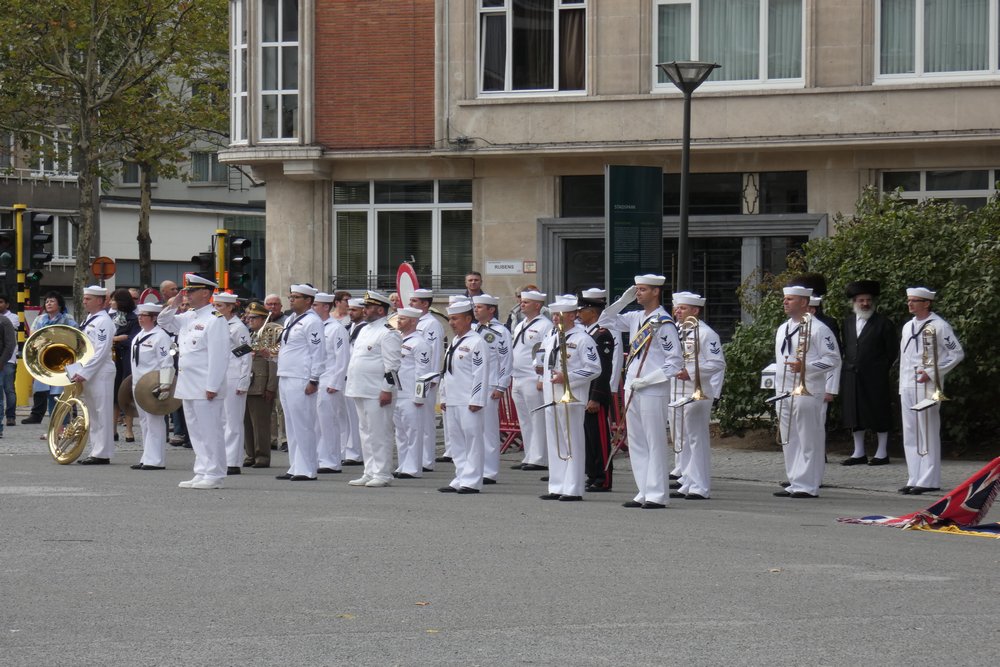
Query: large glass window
x,y
755,41
969,187
279,69
239,41
55,156
937,37
205,168
532,45
708,194
380,224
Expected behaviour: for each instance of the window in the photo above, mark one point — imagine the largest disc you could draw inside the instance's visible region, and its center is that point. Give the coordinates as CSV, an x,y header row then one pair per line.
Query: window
x,y
205,168
970,187
130,174
532,45
708,194
380,224
783,192
239,85
279,69
936,37
755,41
63,239
55,157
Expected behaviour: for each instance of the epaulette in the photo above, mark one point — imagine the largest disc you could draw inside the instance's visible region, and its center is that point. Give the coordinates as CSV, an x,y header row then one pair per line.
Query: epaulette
x,y
216,313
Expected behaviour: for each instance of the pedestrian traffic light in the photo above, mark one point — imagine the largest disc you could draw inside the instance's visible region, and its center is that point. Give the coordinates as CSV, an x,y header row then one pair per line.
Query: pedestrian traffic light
x,y
205,261
8,264
238,263
38,239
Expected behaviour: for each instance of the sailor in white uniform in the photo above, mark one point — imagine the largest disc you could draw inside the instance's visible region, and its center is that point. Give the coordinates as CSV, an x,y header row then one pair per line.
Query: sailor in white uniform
x,y
497,337
432,330
237,380
331,422
415,373
527,338
150,351
97,377
351,444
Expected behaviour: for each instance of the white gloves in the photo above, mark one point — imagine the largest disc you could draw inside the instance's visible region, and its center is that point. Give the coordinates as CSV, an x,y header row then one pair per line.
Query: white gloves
x,y
618,306
656,377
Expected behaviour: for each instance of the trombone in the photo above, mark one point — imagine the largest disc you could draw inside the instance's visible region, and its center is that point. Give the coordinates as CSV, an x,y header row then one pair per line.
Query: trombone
x,y
928,360
690,335
567,396
798,381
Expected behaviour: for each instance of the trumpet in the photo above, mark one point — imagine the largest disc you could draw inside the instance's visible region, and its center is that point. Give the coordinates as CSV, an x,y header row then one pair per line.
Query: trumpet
x,y
567,396
928,360
798,380
690,335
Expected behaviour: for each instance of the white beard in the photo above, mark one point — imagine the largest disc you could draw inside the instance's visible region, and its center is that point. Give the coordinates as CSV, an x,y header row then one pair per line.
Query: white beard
x,y
863,314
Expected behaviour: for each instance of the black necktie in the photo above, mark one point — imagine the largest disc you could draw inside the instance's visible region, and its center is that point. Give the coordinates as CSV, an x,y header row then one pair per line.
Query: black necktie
x,y
786,347
135,348
356,330
915,338
520,334
288,329
451,353
89,320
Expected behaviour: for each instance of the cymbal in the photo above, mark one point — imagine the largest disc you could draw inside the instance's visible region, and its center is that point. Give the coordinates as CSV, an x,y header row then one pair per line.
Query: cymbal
x,y
146,395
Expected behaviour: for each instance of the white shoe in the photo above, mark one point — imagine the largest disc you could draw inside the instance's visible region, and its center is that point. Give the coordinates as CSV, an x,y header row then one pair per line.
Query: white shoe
x,y
361,481
207,484
376,483
189,483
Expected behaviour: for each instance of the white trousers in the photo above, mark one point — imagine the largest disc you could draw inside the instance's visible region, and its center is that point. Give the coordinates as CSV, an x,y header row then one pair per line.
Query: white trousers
x,y
409,420
330,428
647,446
99,397
428,429
465,431
491,439
566,477
527,397
375,426
234,407
154,438
922,432
806,448
207,435
351,443
300,425
695,457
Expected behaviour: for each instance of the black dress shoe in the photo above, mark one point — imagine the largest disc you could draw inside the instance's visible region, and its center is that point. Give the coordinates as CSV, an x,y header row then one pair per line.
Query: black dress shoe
x,y
94,461
247,463
234,470
516,466
328,471
549,496
116,437
302,478
802,494
905,490
11,421
695,496
676,494
443,459
920,490
261,465
673,477
632,504
352,462
426,469
487,480
187,444
129,439
543,479
285,476
403,475
782,494
466,489
785,485
675,485
448,489
32,420
570,499
284,447
653,506
597,489
136,466
879,462
854,461
533,466
145,467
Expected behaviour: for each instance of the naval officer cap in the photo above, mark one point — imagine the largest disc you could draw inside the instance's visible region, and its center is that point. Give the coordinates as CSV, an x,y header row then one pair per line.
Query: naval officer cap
x,y
920,293
423,293
650,279
533,295
688,299
593,298
355,303
224,297
414,313
95,290
304,289
460,307
798,290
486,300
194,281
373,298
148,308
323,297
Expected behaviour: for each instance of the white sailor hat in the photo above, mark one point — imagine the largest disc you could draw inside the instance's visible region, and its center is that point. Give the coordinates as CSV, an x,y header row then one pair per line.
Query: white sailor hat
x,y
920,293
224,297
566,298
798,290
486,300
323,297
563,306
355,303
423,293
460,307
415,313
95,290
592,294
304,289
373,298
688,299
194,281
455,298
148,308
814,301
533,295
650,279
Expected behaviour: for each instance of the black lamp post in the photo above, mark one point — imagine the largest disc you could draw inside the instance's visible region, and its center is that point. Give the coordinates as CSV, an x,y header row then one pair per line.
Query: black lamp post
x,y
687,76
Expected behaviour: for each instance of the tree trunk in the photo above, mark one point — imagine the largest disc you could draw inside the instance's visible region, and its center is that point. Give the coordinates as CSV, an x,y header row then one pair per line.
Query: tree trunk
x,y
144,239
87,180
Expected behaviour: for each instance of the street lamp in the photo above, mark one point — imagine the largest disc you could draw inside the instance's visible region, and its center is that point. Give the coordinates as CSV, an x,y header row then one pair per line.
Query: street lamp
x,y
687,76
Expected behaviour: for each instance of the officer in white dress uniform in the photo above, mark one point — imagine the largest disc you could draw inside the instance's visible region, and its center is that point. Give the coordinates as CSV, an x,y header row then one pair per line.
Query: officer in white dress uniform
x,y
203,345
689,422
97,377
917,382
411,399
564,434
372,381
301,362
528,333
150,351
497,337
237,380
465,390
800,420
351,444
654,358
331,422
432,330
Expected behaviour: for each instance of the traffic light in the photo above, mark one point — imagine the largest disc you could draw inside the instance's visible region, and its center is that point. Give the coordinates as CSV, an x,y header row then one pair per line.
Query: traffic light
x,y
238,263
38,237
8,264
205,261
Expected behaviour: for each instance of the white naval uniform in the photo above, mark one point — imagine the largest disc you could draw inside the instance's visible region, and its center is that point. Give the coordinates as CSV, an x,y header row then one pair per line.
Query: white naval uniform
x,y
525,390
203,345
801,421
331,421
466,383
646,419
430,327
301,360
498,341
408,415
237,379
922,430
694,459
351,444
564,435
98,390
374,360
150,351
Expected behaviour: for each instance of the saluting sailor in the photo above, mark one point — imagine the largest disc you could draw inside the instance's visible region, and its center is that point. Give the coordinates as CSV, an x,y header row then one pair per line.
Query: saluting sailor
x,y
654,358
150,352
372,380
497,339
203,345
351,444
432,330
97,377
237,380
331,422
301,362
415,371
595,421
526,340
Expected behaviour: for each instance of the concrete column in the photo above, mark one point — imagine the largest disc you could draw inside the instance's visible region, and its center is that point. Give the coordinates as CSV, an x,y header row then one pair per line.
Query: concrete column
x,y
299,233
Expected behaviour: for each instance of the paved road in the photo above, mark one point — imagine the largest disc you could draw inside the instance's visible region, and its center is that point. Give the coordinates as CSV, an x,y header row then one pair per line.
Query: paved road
x,y
109,566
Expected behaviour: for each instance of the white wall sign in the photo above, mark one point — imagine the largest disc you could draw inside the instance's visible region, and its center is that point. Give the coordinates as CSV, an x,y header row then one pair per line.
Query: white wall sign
x,y
504,267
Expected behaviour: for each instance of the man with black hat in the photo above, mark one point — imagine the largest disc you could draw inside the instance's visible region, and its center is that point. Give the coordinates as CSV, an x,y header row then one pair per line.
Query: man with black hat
x,y
870,348
595,419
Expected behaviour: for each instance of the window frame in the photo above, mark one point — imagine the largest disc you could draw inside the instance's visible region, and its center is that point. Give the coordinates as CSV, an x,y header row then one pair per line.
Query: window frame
x,y
239,50
213,164
923,194
62,160
280,93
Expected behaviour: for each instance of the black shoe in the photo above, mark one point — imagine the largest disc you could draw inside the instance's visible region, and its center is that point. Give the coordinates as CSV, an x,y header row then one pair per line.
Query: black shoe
x,y
673,477
785,485
782,494
426,469
116,437
94,461
234,470
920,490
328,471
31,420
516,466
695,496
879,462
448,489
549,496
284,447
129,439
632,504
247,463
136,466
675,485
443,459
467,489
855,461
187,444
11,421
302,478
533,466
403,475
802,494
285,476
352,462
261,465
543,479
145,467
905,490
676,494
488,480
653,506
570,499
597,489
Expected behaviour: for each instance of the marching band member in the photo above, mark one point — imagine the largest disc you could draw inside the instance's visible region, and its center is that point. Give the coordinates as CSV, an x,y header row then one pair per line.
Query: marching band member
x,y
237,380
433,332
526,394
921,374
411,402
330,424
485,308
801,417
689,422
654,357
564,421
595,420
150,352
372,379
97,377
203,345
351,444
301,362
464,391
260,397
833,377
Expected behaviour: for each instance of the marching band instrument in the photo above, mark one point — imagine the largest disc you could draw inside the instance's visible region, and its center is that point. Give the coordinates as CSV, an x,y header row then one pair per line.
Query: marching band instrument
x,y
690,336
567,396
149,397
620,436
798,379
268,337
47,353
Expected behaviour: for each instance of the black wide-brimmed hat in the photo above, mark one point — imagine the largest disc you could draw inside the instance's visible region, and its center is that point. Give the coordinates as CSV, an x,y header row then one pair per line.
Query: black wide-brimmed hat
x,y
862,287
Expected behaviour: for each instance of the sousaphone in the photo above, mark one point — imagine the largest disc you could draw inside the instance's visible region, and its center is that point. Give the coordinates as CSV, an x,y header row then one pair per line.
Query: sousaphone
x,y
47,353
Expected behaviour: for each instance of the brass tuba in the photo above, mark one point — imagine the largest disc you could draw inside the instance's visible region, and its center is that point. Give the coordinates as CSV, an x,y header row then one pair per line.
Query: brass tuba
x,y
47,353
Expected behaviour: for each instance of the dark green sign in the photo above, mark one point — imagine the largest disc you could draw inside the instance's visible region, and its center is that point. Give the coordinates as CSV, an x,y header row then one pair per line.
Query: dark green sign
x,y
633,217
